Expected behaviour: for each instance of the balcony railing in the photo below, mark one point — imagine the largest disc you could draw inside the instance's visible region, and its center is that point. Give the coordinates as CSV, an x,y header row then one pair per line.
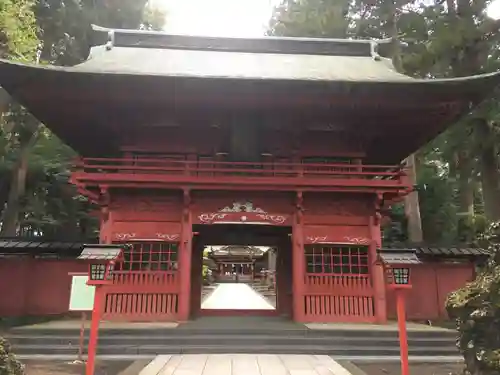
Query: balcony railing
x,y
219,172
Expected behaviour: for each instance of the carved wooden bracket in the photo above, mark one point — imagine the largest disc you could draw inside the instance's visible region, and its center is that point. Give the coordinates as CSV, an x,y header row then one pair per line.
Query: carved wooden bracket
x,y
357,240
241,217
125,236
345,240
168,237
316,239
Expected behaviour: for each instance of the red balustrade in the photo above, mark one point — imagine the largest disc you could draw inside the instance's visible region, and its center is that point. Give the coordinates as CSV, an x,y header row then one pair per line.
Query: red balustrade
x,y
145,170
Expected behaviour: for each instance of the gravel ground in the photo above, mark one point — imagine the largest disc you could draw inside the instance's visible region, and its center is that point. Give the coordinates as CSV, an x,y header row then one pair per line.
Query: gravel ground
x,y
415,368
68,368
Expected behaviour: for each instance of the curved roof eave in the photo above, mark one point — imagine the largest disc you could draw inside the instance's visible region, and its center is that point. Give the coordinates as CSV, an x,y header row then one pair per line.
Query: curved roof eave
x,y
15,74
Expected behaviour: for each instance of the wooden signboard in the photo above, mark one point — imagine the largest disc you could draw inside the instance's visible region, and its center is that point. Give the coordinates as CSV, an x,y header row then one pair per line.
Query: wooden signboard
x,y
82,295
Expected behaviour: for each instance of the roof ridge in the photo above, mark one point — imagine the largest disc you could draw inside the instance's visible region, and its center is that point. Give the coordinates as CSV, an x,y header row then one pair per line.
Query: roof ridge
x,y
265,44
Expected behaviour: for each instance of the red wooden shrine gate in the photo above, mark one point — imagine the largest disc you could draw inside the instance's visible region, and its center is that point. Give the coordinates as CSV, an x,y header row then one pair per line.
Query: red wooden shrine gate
x,y
337,284
145,284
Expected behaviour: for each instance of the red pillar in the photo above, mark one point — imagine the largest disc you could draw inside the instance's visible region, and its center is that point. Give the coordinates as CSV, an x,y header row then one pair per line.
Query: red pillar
x,y
377,271
280,285
197,280
403,336
298,264
105,232
185,258
94,331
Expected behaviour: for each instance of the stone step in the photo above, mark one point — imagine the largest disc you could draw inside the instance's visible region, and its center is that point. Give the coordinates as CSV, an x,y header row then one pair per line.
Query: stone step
x,y
228,340
194,330
174,348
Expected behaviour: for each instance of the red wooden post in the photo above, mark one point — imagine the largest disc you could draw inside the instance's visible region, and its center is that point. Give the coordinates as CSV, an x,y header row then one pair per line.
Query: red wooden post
x,y
403,337
94,331
82,337
298,264
185,259
378,275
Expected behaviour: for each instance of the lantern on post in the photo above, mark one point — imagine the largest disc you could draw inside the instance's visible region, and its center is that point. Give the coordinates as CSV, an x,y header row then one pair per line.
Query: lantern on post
x,y
101,273
399,276
397,265
102,260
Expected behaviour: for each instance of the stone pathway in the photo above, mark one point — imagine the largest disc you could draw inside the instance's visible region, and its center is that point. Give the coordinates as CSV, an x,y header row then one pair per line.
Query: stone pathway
x,y
236,297
243,364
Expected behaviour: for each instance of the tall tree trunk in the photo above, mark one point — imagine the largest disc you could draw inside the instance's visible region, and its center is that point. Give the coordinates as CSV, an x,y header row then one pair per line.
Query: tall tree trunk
x,y
465,198
10,215
412,205
411,202
490,178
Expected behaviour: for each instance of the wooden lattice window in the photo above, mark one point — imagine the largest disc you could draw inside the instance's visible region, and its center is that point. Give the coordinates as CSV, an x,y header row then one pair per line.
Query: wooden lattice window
x,y
153,256
336,259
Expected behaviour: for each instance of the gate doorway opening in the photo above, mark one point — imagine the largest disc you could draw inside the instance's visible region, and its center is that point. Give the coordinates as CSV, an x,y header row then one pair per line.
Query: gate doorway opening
x,y
241,269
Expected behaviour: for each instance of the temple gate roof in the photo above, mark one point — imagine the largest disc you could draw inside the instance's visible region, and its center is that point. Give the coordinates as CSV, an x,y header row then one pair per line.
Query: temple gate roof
x,y
269,58
136,78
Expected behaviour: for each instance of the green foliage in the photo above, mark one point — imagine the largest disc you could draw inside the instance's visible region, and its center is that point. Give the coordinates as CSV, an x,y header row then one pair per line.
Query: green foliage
x,y
395,230
9,365
153,19
204,271
438,194
49,205
311,18
18,30
476,308
66,24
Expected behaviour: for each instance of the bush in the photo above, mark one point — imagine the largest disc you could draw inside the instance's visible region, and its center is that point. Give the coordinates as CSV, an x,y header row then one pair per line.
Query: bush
x,y
476,308
9,365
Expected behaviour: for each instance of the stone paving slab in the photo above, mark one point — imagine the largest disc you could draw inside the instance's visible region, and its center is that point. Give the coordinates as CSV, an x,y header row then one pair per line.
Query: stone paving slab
x,y
236,297
243,364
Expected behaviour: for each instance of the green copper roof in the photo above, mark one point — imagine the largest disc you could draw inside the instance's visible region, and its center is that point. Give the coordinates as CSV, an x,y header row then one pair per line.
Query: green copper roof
x,y
239,65
156,53
268,58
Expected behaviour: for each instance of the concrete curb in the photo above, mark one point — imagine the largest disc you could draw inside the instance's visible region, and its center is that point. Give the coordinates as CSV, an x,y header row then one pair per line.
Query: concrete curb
x,y
135,368
351,367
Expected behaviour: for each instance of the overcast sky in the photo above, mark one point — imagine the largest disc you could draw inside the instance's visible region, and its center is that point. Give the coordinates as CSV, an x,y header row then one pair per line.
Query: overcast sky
x,y
229,17
217,17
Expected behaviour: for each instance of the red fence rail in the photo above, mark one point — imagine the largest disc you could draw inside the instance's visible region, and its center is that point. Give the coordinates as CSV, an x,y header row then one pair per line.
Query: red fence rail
x,y
348,285
338,298
222,171
152,281
142,296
